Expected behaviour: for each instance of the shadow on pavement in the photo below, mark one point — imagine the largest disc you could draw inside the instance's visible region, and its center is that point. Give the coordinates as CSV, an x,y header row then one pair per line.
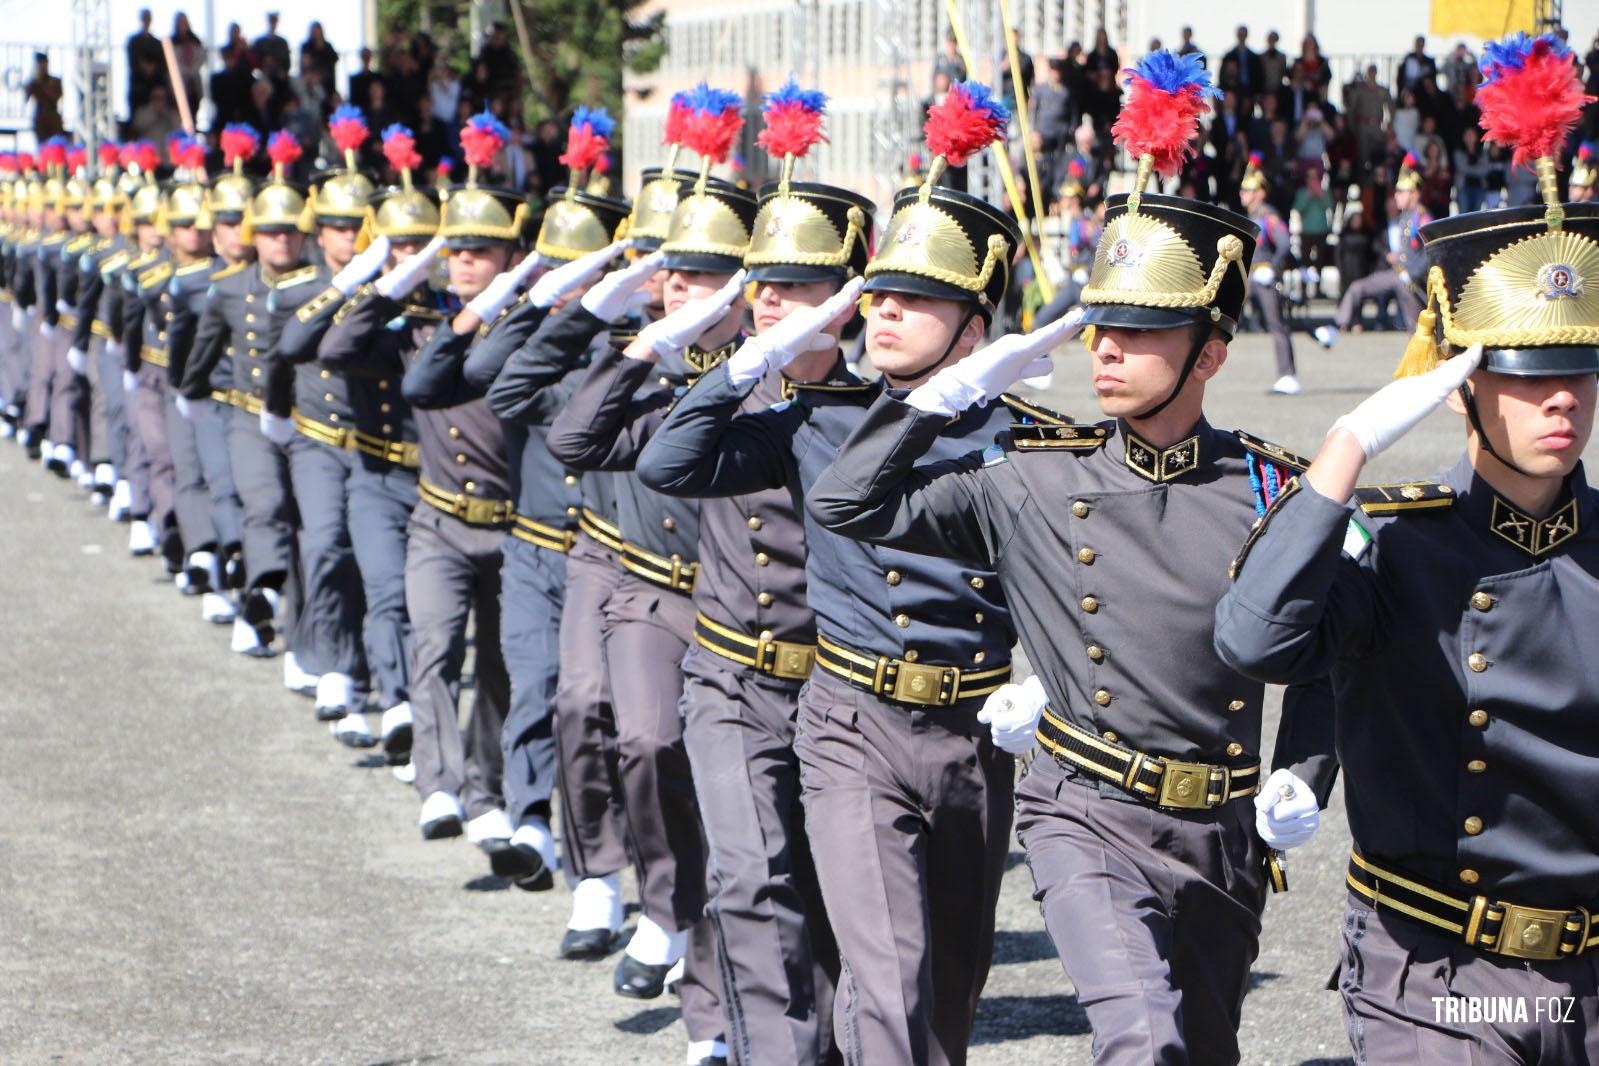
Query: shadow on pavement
x,y
1002,1018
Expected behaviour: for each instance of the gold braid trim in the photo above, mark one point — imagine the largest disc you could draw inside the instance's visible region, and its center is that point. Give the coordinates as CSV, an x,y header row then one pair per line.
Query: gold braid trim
x,y
1229,250
1460,338
992,260
854,231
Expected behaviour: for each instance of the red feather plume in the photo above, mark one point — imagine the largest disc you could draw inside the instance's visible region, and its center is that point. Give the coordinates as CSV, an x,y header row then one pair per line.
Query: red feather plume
x,y
964,123
583,148
400,150
348,129
481,142
676,119
1166,95
790,130
25,162
1531,106
77,158
108,154
189,154
711,136
238,144
53,155
283,148
146,156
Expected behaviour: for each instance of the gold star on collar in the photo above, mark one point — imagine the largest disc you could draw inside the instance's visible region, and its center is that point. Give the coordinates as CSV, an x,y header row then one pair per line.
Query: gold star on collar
x,y
1527,533
1161,464
699,361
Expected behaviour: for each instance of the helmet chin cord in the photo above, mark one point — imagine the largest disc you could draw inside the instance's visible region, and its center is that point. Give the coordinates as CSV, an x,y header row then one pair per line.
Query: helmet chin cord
x,y
1202,339
949,349
1470,402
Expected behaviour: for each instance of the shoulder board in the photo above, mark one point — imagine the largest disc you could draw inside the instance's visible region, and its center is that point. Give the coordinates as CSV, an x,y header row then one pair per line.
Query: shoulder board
x,y
54,238
1268,450
145,259
296,277
155,275
423,313
104,243
1071,438
114,263
80,243
1032,411
836,388
194,268
1288,492
229,271
1410,496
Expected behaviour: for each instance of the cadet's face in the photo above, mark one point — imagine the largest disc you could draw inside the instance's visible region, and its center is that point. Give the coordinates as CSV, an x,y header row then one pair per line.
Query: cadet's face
x,y
279,251
471,269
1581,194
401,250
1539,424
1404,199
681,286
229,244
656,288
1134,369
338,245
1251,198
190,240
105,223
76,219
906,334
775,300
149,236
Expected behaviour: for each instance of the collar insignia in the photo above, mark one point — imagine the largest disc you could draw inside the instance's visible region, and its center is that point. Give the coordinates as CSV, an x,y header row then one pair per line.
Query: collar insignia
x,y
1157,464
1527,533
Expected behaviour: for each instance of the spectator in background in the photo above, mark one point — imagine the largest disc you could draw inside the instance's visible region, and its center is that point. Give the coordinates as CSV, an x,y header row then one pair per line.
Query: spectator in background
x,y
404,85
361,83
317,54
230,88
311,93
1052,124
1008,87
272,51
1188,47
949,62
1416,65
432,136
44,90
1406,122
145,60
1273,65
1311,138
190,54
1104,103
1436,181
425,52
379,114
241,46
1314,206
1472,168
1249,78
1310,67
1357,246
1460,69
158,119
500,63
1103,56
1368,105
444,90
1428,137
546,148
262,114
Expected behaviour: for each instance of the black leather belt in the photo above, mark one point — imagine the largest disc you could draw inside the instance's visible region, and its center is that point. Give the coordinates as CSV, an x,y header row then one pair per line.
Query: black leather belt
x,y
918,684
601,530
473,510
673,573
1161,782
556,540
1492,926
779,658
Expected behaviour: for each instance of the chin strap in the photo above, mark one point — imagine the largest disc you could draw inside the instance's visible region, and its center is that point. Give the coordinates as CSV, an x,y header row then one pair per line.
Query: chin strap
x,y
1482,434
1182,379
948,350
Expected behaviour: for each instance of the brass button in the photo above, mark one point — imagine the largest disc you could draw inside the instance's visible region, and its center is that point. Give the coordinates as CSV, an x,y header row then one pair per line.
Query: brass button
x,y
387,428
571,511
326,374
755,521
327,397
230,349
1472,825
1080,509
1236,705
902,620
470,486
1477,661
384,408
255,371
979,616
911,655
767,634
764,599
249,317
570,479
1482,601
761,558
1090,604
249,297
668,523
665,380
676,557
1478,718
254,353
976,582
333,418
1085,555
892,577
1235,748
1096,653
455,433
1108,735
249,334
979,657
460,457
161,335
1102,697
1476,766
1468,877
383,384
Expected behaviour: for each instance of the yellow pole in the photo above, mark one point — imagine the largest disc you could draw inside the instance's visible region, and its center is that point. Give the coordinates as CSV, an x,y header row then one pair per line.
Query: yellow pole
x,y
1026,121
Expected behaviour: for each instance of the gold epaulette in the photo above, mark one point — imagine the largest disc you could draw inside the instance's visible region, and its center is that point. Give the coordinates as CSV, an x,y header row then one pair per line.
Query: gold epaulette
x,y
1039,414
296,277
1286,493
103,243
229,271
319,303
80,243
194,268
155,275
54,238
1410,496
1071,438
836,388
115,262
144,259
1276,454
423,312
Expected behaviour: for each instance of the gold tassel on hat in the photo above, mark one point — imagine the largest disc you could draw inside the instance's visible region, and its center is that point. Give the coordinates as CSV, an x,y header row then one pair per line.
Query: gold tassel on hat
x,y
1422,352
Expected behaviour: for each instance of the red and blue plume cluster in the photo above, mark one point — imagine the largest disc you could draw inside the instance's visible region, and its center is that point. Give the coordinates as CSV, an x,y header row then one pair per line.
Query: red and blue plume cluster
x,y
77,157
108,153
714,120
25,162
602,165
441,172
1587,150
53,152
185,151
916,163
968,120
588,138
1166,94
1076,169
8,162
283,149
399,148
1410,161
239,142
677,113
348,127
1257,160
141,154
793,118
482,138
1531,96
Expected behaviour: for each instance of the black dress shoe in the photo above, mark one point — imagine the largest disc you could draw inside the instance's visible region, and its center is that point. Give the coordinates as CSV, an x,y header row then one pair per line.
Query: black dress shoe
x,y
330,714
588,944
442,828
636,980
521,865
397,745
712,1060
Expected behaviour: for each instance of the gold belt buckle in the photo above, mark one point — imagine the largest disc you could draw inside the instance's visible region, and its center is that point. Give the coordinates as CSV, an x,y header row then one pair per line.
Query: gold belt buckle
x,y
790,661
918,683
1185,785
1531,933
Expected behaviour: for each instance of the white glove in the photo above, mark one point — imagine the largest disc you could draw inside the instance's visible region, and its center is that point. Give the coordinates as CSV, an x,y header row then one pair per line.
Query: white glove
x,y
1011,713
1391,411
196,410
688,323
982,376
794,336
276,428
19,319
501,292
78,360
622,291
410,272
1286,814
130,382
1264,274
46,330
115,349
561,280
363,268
63,308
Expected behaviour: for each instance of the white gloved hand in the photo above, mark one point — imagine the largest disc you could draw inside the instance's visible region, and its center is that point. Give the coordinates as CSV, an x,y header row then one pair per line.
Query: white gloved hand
x,y
1286,814
63,308
130,382
115,349
621,291
19,319
1264,274
363,268
982,376
1393,410
556,283
276,428
196,410
78,360
46,330
1011,713
688,323
794,336
501,292
409,272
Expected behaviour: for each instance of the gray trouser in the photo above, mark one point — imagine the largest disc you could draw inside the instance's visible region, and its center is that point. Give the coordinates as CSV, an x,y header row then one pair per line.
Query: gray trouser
x,y
1375,286
909,814
261,475
1269,302
593,821
1155,915
1399,979
328,636
532,584
10,347
100,442
646,631
69,399
41,375
778,961
148,417
109,386
382,497
452,571
193,496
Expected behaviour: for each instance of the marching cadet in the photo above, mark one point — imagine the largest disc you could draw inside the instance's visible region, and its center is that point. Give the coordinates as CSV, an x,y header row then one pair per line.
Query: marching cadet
x,y
1456,616
69,387
1407,273
245,308
1584,173
1271,257
104,206
649,619
45,260
29,194
905,797
1145,858
10,229
150,510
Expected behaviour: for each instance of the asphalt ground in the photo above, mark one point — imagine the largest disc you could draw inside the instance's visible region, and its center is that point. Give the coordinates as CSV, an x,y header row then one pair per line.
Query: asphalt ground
x,y
191,870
